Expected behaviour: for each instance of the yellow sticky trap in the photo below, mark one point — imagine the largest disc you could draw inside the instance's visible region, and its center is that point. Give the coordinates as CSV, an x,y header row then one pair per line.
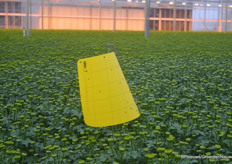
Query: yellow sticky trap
x,y
105,95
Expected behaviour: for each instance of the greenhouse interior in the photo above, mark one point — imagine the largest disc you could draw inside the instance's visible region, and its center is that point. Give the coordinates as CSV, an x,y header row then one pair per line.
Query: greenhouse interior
x,y
115,81
164,15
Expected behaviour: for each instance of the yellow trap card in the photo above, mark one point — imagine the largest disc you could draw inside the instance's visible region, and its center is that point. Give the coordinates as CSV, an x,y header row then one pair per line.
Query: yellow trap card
x,y
105,95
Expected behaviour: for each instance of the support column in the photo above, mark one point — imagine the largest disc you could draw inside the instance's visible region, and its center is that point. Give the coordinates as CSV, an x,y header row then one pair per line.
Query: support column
x,y
49,15
218,26
221,22
226,15
99,19
127,19
190,22
22,17
90,19
30,19
205,16
114,21
6,18
230,20
174,16
160,17
185,19
42,13
14,16
28,7
147,18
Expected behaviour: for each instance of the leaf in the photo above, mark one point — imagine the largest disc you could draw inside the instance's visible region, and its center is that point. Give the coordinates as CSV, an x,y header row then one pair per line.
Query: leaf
x,y
198,132
103,158
177,127
183,100
14,133
187,161
134,154
151,143
26,142
194,161
211,147
77,113
205,142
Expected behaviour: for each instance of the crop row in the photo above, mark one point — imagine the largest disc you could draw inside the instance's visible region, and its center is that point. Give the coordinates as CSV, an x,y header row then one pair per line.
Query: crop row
x,y
181,83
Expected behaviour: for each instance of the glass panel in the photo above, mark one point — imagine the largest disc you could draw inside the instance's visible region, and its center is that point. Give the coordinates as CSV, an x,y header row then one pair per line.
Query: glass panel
x,y
157,13
11,7
18,7
17,21
10,20
2,7
2,21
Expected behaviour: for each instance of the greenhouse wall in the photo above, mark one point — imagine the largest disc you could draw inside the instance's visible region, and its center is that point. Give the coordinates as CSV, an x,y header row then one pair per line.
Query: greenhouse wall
x,y
99,15
88,18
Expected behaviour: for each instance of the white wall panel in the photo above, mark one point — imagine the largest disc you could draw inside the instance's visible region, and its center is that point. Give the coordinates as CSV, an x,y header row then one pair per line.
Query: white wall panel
x,y
121,13
107,24
79,18
95,24
121,25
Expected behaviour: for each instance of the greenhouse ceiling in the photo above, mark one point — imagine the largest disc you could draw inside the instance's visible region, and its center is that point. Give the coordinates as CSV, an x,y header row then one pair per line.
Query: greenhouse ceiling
x,y
154,3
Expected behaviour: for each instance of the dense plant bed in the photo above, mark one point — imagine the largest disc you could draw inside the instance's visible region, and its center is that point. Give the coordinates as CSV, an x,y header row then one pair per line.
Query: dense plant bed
x,y
181,83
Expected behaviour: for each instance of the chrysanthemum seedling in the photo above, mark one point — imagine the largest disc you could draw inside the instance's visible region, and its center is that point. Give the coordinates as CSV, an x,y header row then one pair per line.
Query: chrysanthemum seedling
x,y
161,150
9,143
64,149
116,163
170,139
184,126
177,157
132,133
17,157
81,162
225,160
2,146
202,147
161,160
168,151
188,139
212,160
150,157
202,126
22,116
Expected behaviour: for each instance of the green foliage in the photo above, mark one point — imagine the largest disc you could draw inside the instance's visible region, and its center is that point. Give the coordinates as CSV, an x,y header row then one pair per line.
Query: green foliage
x,y
181,83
